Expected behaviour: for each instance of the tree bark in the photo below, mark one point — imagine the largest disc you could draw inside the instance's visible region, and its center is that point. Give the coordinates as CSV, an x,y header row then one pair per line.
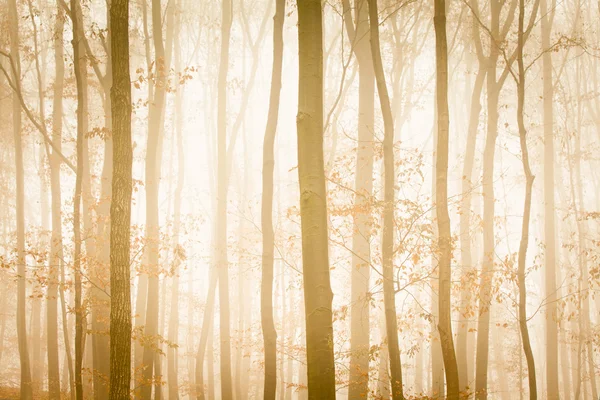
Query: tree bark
x,y
120,208
268,242
522,257
361,252
222,189
172,353
78,63
387,245
25,384
441,200
552,390
313,204
56,237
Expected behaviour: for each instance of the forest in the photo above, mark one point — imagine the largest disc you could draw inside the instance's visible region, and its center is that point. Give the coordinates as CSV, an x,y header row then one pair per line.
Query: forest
x,y
299,199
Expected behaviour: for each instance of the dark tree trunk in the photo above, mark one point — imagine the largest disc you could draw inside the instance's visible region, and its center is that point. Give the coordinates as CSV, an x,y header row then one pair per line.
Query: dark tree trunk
x,y
313,204
120,208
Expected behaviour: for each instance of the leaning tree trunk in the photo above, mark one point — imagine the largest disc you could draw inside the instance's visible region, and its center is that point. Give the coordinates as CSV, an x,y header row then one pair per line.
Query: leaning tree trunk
x,y
313,204
441,201
387,251
26,387
120,208
266,290
522,258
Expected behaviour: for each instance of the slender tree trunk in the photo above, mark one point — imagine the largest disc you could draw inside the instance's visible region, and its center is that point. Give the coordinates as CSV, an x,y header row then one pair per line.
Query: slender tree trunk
x,y
26,384
120,208
207,322
387,245
172,353
443,218
465,230
363,184
56,238
268,242
552,390
222,188
313,204
522,258
485,285
79,318
152,368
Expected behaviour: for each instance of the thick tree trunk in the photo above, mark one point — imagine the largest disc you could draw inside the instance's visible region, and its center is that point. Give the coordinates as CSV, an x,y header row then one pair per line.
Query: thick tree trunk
x,y
26,384
313,204
441,201
268,242
387,245
120,208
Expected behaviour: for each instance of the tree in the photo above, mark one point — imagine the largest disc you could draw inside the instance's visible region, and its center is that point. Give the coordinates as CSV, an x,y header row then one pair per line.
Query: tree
x,y
268,242
222,189
152,366
120,208
81,116
56,238
441,192
357,32
313,204
26,387
387,242
549,207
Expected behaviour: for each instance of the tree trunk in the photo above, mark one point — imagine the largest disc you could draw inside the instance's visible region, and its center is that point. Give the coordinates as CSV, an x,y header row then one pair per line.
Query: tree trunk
x,y
522,258
387,245
268,242
363,184
26,387
549,210
313,204
441,201
79,314
207,322
120,208
56,238
465,229
172,353
485,285
222,189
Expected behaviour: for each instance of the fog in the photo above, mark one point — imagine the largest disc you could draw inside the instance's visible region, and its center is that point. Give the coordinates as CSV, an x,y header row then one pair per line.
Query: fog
x,y
281,200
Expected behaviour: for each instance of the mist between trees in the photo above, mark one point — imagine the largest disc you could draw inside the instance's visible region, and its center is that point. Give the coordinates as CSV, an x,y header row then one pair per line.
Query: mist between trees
x,y
299,200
